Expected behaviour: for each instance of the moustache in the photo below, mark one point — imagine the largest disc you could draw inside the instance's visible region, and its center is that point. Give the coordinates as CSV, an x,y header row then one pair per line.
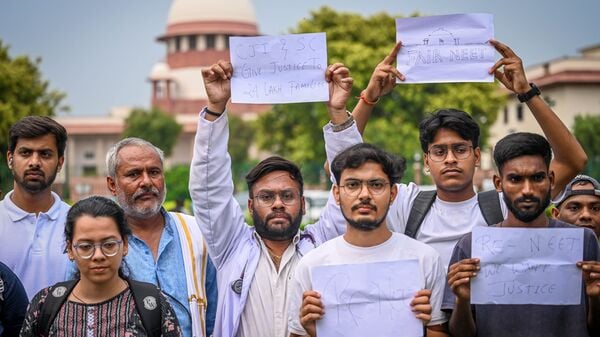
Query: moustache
x,y
35,171
153,190
364,204
528,199
274,215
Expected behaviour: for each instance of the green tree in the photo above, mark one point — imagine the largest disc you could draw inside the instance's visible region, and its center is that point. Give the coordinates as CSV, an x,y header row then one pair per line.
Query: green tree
x,y
155,126
23,92
241,137
586,130
360,43
176,179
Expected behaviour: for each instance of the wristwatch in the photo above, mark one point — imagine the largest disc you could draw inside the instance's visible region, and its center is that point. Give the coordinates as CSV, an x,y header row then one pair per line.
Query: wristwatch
x,y
534,91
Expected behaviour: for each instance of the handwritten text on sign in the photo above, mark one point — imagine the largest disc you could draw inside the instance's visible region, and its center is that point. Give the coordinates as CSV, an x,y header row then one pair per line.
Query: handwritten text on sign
x,y
279,69
371,299
446,48
527,266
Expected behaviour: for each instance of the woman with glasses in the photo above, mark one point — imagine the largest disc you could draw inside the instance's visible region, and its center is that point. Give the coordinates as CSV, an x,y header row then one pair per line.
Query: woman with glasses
x,y
101,302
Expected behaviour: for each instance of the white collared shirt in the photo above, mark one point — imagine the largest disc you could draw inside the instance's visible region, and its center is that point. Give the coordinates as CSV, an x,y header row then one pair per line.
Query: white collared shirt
x,y
265,313
32,245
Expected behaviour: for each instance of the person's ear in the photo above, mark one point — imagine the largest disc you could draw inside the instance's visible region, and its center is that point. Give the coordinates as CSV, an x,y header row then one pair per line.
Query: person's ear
x,y
112,185
336,194
497,183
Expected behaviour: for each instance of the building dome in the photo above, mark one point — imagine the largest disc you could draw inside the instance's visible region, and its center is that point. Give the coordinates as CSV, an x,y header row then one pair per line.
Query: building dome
x,y
160,71
184,11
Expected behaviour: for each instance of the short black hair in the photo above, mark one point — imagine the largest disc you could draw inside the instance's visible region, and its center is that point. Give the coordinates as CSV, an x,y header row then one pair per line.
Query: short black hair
x,y
451,119
358,154
521,144
271,164
37,126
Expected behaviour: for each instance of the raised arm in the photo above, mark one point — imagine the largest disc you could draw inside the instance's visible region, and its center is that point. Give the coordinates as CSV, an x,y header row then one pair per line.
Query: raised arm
x,y
217,213
382,81
569,157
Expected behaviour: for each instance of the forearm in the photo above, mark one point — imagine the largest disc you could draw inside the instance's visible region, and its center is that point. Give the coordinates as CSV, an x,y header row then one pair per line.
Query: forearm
x,y
461,322
361,113
569,156
211,187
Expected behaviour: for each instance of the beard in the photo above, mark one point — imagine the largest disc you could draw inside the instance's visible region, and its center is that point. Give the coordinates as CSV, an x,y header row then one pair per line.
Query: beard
x,y
35,186
267,232
131,209
365,225
527,215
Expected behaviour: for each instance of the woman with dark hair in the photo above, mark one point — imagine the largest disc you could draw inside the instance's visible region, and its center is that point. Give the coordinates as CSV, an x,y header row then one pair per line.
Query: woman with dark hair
x,y
103,301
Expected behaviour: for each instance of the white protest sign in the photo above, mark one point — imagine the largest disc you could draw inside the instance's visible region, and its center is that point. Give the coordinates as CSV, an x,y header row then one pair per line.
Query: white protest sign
x,y
279,69
527,265
446,48
370,299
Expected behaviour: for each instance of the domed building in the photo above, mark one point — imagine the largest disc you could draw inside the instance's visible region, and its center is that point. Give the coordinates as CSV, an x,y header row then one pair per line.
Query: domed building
x,y
197,36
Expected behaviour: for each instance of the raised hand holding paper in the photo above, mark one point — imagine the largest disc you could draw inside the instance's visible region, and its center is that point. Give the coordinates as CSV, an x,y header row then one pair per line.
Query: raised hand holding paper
x,y
279,69
446,48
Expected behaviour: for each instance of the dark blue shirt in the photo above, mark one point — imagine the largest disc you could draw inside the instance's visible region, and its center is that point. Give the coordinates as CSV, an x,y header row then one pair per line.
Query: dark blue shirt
x,y
13,302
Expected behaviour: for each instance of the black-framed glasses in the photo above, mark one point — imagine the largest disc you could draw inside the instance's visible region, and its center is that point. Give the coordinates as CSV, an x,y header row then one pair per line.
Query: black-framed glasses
x,y
267,198
440,152
86,250
353,187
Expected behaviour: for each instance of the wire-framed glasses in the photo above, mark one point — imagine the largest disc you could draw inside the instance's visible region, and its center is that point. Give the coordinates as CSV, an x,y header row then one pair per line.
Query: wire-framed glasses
x,y
86,250
440,152
267,198
353,187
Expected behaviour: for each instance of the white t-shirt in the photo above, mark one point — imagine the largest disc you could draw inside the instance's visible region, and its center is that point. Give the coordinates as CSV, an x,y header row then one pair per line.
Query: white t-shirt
x,y
445,222
338,251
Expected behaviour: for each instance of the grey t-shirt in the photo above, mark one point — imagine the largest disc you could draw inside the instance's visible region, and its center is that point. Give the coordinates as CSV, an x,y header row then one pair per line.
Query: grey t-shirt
x,y
528,320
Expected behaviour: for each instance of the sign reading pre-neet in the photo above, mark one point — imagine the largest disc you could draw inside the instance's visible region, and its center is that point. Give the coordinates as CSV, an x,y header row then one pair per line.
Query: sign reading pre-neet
x,y
368,299
446,48
279,69
527,265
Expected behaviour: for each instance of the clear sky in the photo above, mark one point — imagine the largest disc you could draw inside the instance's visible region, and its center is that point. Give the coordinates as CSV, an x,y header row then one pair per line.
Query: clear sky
x,y
101,52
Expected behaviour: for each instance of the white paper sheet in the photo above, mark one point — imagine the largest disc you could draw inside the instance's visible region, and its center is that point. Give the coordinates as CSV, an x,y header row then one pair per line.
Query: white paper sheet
x,y
527,265
279,69
371,299
446,48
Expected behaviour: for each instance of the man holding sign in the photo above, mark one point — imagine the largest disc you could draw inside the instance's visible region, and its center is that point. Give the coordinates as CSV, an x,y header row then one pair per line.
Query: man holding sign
x,y
525,178
356,284
254,264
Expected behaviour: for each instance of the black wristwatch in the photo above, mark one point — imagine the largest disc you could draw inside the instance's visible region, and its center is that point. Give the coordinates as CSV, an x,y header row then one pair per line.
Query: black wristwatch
x,y
534,91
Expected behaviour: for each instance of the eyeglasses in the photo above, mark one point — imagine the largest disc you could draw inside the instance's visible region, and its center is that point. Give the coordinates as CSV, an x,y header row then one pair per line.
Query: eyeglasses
x,y
267,198
86,250
440,152
354,186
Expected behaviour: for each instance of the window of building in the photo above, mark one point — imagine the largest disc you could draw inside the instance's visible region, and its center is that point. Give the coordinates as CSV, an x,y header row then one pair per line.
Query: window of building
x,y
178,43
89,155
520,112
227,41
505,114
192,42
89,171
211,41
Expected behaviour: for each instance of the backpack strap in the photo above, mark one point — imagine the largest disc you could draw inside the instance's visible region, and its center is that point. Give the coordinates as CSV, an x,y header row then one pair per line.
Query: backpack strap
x,y
147,303
57,295
418,211
489,204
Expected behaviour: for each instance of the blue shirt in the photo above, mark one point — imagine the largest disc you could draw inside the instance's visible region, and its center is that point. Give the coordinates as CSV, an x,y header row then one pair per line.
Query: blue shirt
x,y
169,275
13,302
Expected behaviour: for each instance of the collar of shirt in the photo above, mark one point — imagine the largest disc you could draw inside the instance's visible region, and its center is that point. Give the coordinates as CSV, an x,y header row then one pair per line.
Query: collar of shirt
x,y
17,214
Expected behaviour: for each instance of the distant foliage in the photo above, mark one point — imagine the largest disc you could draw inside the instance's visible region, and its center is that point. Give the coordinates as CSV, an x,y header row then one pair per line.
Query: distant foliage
x,y
587,132
155,126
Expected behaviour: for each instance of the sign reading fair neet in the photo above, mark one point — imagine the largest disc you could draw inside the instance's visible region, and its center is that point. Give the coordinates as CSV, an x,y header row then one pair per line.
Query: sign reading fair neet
x,y
446,48
527,265
279,69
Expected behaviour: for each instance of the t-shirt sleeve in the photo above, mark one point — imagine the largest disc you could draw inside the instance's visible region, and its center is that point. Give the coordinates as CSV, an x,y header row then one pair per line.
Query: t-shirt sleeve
x,y
462,251
300,282
435,282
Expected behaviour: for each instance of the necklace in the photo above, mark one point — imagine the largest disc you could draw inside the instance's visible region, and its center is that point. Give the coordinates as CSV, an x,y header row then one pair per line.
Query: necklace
x,y
78,298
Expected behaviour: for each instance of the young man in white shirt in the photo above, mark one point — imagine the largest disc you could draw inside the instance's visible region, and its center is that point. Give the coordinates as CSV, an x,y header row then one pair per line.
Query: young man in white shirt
x,y
365,187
